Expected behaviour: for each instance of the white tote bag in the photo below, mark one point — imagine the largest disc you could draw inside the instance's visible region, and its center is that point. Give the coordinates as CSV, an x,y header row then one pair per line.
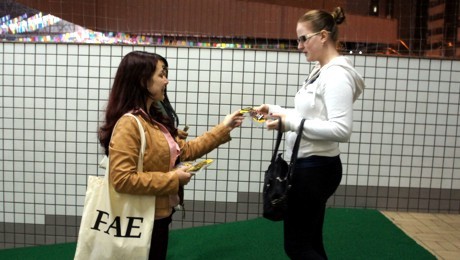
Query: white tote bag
x,y
115,225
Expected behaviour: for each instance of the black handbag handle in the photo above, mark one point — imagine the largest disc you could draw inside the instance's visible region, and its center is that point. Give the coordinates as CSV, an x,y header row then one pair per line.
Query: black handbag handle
x,y
295,151
278,140
296,144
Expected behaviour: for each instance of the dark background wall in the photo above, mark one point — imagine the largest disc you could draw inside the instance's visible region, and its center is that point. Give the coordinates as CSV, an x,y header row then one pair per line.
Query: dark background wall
x,y
269,19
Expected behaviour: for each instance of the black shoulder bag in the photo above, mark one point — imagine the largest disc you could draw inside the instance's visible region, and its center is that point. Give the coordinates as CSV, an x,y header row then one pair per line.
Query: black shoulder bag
x,y
277,177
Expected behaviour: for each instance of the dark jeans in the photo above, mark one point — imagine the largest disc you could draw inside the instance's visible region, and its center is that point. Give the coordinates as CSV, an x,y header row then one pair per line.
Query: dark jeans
x,y
314,180
160,237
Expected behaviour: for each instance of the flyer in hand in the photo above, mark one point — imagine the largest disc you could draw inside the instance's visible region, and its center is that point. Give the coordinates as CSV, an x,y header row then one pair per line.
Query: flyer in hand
x,y
259,118
198,165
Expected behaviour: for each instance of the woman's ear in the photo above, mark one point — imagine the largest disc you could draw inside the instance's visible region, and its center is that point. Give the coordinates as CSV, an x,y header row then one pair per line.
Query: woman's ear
x,y
324,36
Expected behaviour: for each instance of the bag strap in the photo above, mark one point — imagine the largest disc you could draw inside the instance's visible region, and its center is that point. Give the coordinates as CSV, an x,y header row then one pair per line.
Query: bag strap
x,y
295,150
297,142
278,141
140,163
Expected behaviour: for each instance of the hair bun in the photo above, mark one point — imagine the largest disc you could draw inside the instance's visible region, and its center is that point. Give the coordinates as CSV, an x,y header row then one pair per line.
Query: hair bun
x,y
338,14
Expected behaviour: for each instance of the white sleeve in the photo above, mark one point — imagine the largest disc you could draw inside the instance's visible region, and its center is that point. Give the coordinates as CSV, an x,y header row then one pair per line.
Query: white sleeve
x,y
276,109
292,116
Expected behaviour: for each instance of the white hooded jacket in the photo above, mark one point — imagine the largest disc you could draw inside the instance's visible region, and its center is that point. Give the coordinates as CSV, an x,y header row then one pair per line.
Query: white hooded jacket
x,y
326,102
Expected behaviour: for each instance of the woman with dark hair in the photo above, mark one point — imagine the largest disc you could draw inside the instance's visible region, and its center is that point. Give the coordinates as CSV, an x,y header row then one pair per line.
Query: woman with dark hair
x,y
326,102
139,88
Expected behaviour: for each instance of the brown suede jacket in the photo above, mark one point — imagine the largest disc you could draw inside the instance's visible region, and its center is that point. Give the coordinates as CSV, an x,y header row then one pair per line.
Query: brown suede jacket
x,y
156,178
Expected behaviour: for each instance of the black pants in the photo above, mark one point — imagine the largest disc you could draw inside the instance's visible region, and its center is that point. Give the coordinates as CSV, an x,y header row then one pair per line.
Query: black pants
x,y
160,237
314,180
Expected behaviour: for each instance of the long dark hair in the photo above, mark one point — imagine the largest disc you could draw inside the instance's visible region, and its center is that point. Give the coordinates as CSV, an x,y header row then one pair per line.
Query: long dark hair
x,y
129,93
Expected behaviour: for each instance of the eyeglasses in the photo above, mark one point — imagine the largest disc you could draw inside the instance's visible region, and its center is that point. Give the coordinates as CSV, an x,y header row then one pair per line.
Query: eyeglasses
x,y
305,38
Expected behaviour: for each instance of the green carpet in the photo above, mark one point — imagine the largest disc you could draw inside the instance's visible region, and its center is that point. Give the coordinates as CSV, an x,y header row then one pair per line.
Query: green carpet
x,y
348,234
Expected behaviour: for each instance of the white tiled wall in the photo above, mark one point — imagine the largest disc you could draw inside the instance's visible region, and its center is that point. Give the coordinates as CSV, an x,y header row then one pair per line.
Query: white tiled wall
x,y
53,95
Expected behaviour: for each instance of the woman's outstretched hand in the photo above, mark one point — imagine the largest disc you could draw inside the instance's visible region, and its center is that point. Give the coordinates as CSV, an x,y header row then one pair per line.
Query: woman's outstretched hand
x,y
262,109
273,122
234,119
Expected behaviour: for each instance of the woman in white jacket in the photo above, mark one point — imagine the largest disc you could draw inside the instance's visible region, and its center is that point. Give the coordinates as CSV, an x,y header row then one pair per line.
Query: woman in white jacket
x,y
326,102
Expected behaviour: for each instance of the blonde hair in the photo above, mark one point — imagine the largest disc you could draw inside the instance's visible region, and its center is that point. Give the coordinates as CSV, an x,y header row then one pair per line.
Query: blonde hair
x,y
322,20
